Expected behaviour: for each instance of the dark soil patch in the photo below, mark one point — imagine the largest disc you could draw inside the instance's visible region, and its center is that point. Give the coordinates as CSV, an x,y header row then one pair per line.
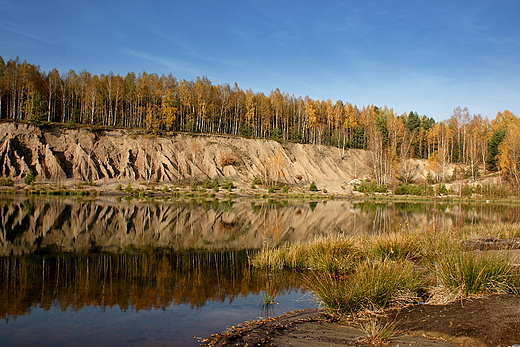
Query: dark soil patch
x,y
484,321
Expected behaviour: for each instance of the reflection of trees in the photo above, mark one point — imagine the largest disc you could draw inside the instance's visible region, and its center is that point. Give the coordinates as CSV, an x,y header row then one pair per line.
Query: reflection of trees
x,y
398,216
69,225
148,280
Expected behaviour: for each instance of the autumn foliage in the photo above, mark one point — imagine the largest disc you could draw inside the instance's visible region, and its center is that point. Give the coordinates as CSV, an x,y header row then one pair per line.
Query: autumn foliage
x,y
163,104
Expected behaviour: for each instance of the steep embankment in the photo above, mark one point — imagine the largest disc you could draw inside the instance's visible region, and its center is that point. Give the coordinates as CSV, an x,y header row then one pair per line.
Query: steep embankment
x,y
59,154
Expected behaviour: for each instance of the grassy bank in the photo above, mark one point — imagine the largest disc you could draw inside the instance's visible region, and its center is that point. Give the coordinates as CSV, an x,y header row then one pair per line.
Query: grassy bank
x,y
350,275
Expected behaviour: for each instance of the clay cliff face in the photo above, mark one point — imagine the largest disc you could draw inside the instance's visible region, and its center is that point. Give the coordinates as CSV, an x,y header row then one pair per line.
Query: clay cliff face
x,y
57,154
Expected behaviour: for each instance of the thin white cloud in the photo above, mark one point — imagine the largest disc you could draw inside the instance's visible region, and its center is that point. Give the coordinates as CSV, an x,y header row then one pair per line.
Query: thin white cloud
x,y
171,65
11,27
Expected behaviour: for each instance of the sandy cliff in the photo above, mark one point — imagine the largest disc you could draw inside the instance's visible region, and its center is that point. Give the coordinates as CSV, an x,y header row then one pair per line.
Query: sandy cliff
x,y
60,155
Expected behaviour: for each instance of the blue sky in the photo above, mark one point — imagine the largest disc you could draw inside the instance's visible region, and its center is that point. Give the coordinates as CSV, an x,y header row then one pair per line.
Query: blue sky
x,y
424,56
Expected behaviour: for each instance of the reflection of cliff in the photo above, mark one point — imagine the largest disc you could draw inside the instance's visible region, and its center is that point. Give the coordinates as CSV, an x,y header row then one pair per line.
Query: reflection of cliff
x,y
148,280
42,225
73,226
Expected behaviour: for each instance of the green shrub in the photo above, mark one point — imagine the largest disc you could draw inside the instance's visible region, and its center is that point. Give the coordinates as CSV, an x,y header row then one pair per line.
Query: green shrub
x,y
246,130
207,184
370,187
442,190
313,187
38,112
6,181
466,190
276,134
227,184
409,189
30,177
295,136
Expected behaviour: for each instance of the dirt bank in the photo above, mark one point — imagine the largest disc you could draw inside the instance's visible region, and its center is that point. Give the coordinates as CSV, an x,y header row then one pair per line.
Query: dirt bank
x,y
62,155
480,321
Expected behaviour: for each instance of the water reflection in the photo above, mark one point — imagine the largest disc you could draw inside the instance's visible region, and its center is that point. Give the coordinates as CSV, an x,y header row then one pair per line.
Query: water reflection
x,y
69,225
143,281
138,257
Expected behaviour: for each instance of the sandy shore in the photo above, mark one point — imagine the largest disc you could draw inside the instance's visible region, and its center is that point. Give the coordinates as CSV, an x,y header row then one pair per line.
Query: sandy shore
x,y
478,321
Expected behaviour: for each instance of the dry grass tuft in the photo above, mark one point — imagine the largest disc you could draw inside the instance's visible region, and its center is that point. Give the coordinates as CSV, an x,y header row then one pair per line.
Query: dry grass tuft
x,y
378,330
350,274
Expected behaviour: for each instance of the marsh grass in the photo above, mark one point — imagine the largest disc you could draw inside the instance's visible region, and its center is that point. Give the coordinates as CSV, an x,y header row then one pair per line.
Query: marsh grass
x,y
267,302
370,284
394,246
475,273
331,254
350,274
498,230
378,330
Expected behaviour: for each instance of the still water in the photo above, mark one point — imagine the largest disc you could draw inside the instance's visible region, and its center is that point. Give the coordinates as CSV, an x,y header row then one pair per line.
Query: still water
x,y
135,273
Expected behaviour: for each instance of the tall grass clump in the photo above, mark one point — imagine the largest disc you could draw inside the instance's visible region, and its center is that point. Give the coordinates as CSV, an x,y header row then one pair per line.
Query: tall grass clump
x,y
394,246
433,245
378,330
498,230
350,275
333,255
468,273
330,254
275,258
371,284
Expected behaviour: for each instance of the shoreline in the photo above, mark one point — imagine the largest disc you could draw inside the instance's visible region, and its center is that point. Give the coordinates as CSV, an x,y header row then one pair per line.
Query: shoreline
x,y
490,320
148,189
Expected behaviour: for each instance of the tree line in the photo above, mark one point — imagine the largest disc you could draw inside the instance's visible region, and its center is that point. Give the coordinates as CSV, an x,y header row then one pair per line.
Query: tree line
x,y
163,104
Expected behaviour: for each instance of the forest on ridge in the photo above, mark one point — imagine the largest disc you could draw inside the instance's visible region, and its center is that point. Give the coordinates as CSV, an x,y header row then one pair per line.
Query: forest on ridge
x,y
163,105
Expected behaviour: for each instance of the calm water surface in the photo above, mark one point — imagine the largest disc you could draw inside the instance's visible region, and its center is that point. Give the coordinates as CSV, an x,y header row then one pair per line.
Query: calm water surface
x,y
130,273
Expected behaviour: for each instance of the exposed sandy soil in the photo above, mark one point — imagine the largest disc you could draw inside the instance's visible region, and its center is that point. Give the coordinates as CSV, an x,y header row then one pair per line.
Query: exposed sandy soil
x,y
121,156
109,157
484,321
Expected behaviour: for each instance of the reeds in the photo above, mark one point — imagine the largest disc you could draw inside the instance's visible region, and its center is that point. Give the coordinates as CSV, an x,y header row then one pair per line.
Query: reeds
x,y
474,273
330,254
378,330
350,274
498,230
369,284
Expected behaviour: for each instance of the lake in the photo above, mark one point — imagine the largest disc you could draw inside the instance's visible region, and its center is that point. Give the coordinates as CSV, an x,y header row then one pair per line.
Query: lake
x,y
165,273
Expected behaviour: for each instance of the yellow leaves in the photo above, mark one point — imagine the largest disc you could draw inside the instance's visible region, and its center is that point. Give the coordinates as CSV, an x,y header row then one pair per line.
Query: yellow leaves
x,y
509,153
168,109
273,168
312,112
503,120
